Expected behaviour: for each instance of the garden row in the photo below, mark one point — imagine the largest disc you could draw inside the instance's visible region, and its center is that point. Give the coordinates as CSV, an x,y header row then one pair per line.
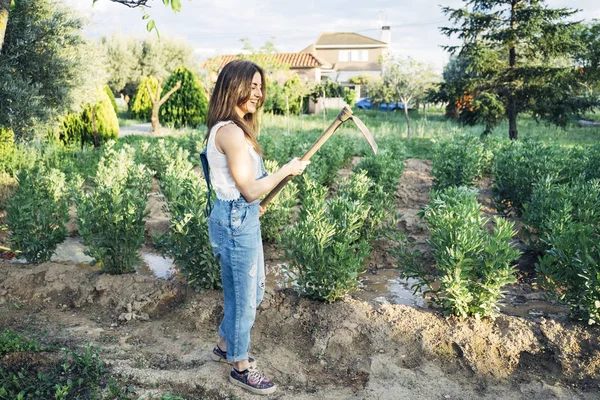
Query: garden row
x,y
556,193
326,245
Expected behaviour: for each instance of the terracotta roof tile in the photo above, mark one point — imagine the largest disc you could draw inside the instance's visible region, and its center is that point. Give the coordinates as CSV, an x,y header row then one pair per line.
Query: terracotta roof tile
x,y
293,60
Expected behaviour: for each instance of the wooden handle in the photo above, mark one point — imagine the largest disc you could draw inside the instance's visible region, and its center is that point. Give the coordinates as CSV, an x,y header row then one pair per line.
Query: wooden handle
x,y
345,114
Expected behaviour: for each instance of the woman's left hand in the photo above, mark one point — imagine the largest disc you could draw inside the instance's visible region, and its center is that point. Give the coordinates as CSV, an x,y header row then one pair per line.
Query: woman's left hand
x,y
261,211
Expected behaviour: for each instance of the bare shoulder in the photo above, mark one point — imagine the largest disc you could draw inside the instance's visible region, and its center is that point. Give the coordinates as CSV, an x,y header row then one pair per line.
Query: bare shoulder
x,y
230,132
230,136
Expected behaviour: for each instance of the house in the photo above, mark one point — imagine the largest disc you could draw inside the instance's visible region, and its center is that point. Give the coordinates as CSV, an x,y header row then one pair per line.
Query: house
x,y
350,54
309,67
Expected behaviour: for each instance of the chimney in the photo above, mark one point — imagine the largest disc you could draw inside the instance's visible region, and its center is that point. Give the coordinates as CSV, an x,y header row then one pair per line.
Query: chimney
x,y
386,34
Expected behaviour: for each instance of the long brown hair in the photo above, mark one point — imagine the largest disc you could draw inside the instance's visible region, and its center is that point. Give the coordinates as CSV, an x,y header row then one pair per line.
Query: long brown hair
x,y
234,88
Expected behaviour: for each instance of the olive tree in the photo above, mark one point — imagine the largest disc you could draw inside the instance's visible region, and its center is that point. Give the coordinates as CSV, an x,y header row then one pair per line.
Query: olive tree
x,y
47,67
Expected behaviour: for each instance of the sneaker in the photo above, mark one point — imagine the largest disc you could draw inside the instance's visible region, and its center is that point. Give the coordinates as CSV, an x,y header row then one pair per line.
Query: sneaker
x,y
252,380
221,356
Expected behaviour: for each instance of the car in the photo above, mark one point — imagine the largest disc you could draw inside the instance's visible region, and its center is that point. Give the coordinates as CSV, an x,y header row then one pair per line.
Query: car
x,y
365,104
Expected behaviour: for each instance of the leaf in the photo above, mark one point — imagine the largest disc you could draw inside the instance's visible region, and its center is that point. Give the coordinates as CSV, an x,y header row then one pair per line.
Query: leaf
x,y
146,16
176,5
150,25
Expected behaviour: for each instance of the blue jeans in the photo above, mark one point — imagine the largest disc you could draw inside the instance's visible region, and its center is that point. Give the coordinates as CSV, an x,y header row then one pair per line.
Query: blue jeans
x,y
234,231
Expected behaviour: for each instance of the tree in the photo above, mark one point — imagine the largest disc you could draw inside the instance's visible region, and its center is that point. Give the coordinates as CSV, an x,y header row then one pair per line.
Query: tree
x,y
157,101
380,91
141,105
4,12
187,106
129,59
96,124
46,66
518,52
409,80
588,58
454,90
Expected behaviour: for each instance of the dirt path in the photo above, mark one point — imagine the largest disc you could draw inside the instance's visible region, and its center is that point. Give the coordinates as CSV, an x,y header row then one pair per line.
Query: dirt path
x,y
158,335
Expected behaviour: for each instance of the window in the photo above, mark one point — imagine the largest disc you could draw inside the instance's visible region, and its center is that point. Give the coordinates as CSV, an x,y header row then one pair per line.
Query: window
x,y
353,55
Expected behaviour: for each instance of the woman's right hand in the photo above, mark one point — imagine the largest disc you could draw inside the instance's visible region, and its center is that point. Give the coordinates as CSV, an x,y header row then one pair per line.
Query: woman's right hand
x,y
296,166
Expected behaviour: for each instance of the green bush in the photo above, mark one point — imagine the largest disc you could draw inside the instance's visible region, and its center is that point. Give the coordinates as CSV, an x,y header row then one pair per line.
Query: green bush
x,y
349,96
79,128
570,269
157,155
37,213
188,105
275,102
471,264
564,221
187,241
111,214
519,167
280,209
324,247
553,206
72,159
325,164
385,168
111,97
141,105
458,162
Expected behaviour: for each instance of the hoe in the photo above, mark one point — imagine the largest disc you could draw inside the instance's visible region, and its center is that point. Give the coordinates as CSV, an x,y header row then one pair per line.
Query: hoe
x,y
343,116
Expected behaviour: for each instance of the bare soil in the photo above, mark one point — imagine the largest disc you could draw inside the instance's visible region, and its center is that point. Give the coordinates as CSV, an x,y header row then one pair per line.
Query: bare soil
x,y
158,334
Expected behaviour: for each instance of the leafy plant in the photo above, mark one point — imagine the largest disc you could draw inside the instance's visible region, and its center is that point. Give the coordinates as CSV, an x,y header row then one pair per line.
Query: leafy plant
x,y
570,269
110,215
471,264
554,206
458,162
326,163
72,374
385,168
158,155
324,247
187,241
12,342
519,167
37,213
280,210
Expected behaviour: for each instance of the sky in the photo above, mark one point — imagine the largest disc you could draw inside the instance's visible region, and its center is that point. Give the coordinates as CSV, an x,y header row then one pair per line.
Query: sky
x,y
214,27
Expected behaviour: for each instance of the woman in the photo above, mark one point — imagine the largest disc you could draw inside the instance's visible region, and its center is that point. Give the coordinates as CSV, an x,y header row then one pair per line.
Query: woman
x,y
239,180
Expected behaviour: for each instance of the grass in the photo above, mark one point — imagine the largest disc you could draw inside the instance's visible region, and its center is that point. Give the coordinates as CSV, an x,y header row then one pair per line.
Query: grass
x,y
426,130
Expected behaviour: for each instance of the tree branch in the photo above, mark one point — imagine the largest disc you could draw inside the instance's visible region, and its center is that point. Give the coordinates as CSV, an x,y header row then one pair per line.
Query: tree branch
x,y
169,93
132,3
150,93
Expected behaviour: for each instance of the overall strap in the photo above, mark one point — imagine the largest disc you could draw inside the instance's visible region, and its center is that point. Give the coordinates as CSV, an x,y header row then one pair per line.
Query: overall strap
x,y
205,170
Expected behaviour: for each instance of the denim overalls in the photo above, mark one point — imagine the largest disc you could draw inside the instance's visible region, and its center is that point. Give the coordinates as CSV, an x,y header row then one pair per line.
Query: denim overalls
x,y
234,232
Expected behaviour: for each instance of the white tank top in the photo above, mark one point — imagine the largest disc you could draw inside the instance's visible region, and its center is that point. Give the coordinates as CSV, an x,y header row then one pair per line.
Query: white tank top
x,y
220,176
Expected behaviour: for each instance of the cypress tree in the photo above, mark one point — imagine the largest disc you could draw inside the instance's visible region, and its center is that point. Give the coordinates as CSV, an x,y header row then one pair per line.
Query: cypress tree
x,y
96,124
188,105
516,52
141,107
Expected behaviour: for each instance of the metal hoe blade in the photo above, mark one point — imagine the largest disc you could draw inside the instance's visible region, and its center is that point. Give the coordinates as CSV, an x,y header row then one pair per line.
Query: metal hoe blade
x,y
366,133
